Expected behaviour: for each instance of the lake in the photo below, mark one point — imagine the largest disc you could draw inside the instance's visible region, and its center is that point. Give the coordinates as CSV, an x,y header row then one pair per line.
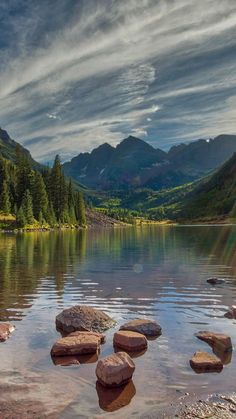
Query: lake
x,y
151,271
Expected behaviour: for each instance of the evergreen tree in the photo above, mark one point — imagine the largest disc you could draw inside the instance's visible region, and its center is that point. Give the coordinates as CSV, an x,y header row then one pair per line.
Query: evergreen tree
x,y
27,207
39,195
20,218
80,210
23,175
58,190
5,203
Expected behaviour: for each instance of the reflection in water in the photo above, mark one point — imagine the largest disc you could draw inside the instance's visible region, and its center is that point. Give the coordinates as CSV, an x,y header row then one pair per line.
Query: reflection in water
x,y
115,398
153,272
132,354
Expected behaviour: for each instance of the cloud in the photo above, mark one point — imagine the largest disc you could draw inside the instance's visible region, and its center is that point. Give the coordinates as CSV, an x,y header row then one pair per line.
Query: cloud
x,y
97,71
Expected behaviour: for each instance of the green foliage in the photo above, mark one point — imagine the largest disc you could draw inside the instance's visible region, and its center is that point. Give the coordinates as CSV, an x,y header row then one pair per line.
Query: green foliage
x,y
5,204
27,207
80,209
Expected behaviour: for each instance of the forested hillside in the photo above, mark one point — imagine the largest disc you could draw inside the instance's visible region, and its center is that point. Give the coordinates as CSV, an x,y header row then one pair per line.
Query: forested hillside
x,y
33,198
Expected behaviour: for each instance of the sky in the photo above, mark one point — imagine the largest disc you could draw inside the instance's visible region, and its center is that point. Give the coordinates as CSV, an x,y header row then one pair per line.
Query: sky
x,y
77,73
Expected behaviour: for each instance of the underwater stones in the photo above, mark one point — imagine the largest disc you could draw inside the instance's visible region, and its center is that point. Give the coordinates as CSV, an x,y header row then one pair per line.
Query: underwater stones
x,y
115,370
83,318
145,326
215,281
218,341
231,314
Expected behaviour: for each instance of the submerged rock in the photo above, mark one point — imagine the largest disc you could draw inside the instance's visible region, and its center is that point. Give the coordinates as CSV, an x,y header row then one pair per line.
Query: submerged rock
x,y
231,314
218,341
145,326
83,318
215,281
99,336
76,345
130,341
115,370
5,330
203,362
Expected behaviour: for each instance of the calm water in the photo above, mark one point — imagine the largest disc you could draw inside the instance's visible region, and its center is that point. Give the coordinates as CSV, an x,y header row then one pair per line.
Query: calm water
x,y
156,272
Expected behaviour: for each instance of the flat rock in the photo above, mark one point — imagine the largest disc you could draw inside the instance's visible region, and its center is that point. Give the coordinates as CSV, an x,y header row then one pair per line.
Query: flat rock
x,y
101,338
130,341
83,318
215,281
145,326
218,341
231,314
203,362
76,345
5,330
115,370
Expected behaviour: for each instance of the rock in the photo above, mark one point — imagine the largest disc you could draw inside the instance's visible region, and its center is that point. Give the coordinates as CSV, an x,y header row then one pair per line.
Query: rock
x,y
231,314
204,362
144,326
115,370
83,318
218,341
65,361
76,345
113,399
5,330
130,341
215,281
101,338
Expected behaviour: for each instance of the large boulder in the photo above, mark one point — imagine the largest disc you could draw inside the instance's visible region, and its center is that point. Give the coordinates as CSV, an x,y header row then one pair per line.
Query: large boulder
x,y
83,318
203,362
130,341
5,330
231,314
76,345
218,341
115,370
145,326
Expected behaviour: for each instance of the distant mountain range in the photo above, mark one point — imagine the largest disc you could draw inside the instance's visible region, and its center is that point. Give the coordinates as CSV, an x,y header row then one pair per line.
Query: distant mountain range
x,y
135,163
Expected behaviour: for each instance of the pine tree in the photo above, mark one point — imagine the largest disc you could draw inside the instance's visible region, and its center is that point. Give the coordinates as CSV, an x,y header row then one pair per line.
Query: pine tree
x,y
23,175
39,195
27,207
5,203
80,210
58,190
20,218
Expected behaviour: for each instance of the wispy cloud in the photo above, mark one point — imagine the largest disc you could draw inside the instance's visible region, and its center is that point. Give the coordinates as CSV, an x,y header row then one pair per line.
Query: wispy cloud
x,y
97,71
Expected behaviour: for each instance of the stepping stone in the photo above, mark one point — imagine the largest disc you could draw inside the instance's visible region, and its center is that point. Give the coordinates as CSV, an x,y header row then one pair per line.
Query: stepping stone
x,y
115,370
99,336
215,281
203,362
5,330
83,318
144,326
76,345
231,314
130,341
218,341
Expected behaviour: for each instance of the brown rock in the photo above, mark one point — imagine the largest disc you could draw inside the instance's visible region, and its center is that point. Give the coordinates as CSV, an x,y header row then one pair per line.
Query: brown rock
x,y
215,281
5,330
129,341
101,338
65,361
204,362
76,345
144,326
218,341
115,370
231,314
83,318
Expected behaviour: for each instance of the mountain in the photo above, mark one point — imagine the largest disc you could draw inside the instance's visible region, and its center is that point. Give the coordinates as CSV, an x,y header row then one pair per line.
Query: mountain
x,y
8,149
213,197
135,163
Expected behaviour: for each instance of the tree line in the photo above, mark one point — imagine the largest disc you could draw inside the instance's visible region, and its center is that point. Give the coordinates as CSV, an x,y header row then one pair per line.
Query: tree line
x,y
39,197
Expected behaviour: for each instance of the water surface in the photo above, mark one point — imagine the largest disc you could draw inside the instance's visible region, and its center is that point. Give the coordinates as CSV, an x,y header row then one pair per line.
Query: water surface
x,y
156,272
